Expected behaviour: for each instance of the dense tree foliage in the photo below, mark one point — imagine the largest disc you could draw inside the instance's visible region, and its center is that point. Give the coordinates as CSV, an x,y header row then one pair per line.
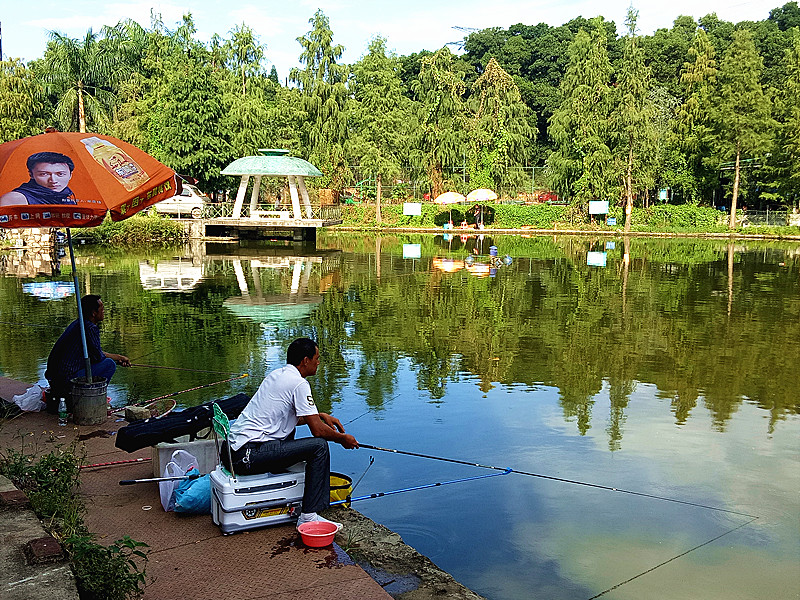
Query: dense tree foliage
x,y
581,164
382,118
705,110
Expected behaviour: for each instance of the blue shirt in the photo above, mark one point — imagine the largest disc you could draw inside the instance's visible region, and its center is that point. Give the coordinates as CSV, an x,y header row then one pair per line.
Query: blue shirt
x,y
66,357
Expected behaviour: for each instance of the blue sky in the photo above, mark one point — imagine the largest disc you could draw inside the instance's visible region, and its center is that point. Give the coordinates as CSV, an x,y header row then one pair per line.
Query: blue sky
x,y
409,26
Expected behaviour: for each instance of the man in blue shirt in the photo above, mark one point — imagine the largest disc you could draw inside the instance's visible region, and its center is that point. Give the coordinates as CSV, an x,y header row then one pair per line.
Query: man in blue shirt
x,y
66,360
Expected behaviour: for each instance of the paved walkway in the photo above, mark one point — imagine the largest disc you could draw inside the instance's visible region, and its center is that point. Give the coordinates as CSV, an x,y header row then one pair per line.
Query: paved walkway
x,y
189,557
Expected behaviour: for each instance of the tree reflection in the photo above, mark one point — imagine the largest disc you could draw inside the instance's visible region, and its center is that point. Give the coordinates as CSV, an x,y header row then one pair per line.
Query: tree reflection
x,y
681,315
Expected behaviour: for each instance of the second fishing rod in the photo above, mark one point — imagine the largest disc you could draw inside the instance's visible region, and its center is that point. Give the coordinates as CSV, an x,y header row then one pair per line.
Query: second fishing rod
x,y
561,479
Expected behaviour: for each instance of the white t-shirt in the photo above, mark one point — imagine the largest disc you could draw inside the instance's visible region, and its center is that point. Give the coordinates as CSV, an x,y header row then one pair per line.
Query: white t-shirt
x,y
273,411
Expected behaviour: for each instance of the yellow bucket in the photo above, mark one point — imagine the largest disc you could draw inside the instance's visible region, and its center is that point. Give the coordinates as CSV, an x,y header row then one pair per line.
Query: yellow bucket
x,y
341,487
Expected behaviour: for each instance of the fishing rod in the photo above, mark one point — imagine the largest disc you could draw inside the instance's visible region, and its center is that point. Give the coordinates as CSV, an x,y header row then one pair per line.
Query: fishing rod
x,y
181,369
30,325
562,479
199,387
116,462
151,479
418,487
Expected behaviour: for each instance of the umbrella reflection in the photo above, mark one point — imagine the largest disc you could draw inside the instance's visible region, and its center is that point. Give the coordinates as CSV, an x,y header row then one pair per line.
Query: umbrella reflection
x,y
49,290
448,265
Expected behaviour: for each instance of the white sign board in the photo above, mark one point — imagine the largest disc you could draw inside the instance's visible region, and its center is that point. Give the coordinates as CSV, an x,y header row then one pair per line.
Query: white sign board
x,y
412,250
596,259
598,207
412,209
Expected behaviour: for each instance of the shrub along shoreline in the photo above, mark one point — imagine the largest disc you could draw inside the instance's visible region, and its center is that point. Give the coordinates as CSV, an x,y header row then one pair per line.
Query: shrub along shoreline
x,y
659,220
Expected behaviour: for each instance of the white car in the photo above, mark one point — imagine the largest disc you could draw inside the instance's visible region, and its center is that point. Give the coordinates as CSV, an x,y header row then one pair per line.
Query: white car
x,y
189,202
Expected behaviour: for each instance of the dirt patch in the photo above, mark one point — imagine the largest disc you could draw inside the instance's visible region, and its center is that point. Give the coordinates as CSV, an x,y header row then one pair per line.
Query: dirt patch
x,y
402,571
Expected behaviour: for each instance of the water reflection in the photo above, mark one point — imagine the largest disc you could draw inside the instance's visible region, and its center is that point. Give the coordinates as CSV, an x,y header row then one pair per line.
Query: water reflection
x,y
670,371
176,275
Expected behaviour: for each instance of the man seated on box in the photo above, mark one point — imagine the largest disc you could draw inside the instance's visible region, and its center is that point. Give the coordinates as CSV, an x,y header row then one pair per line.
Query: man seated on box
x,y
262,437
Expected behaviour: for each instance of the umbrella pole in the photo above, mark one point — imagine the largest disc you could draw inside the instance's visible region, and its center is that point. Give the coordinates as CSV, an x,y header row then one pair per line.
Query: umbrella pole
x,y
80,312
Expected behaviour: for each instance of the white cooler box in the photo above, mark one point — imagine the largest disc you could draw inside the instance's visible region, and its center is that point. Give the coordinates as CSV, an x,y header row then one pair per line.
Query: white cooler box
x,y
256,500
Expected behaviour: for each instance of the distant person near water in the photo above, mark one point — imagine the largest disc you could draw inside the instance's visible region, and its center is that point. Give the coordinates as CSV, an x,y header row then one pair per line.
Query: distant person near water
x,y
66,361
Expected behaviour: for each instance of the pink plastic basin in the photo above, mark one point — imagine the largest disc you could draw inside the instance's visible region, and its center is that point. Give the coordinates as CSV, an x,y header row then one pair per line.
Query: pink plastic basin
x,y
317,533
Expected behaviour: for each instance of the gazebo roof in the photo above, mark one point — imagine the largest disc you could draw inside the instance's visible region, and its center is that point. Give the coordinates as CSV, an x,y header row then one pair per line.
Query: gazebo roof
x,y
272,161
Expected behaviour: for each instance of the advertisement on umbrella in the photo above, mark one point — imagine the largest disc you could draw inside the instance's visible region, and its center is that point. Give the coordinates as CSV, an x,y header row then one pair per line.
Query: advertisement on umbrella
x,y
72,179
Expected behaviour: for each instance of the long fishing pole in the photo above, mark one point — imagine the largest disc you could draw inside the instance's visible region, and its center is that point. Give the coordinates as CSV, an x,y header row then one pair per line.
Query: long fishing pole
x,y
156,479
181,369
418,487
562,479
115,462
199,387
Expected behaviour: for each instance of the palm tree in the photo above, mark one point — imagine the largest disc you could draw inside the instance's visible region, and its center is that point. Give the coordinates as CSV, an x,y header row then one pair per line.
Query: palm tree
x,y
82,74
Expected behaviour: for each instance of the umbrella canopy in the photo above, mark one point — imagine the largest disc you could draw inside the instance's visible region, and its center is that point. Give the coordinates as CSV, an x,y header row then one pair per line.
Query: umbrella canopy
x,y
449,198
60,179
481,195
72,180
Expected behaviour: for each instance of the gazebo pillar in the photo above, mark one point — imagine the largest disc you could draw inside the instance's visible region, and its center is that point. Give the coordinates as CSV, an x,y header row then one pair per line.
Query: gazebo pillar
x,y
237,205
296,213
301,183
254,197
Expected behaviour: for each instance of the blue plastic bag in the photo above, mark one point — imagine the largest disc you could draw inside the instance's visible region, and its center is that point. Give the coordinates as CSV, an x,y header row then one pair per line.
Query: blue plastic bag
x,y
193,496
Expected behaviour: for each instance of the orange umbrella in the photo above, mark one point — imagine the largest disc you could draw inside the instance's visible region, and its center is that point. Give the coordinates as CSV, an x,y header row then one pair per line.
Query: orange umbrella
x,y
72,179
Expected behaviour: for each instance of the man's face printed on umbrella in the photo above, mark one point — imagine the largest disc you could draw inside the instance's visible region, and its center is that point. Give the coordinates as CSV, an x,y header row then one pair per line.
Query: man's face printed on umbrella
x,y
53,176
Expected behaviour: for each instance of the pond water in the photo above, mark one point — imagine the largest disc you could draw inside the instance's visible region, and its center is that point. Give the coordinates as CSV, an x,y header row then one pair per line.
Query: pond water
x,y
667,368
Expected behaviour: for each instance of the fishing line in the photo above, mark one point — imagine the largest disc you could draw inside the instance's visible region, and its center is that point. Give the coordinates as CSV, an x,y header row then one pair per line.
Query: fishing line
x,y
199,387
418,487
572,481
358,417
651,569
355,485
157,348
182,369
31,325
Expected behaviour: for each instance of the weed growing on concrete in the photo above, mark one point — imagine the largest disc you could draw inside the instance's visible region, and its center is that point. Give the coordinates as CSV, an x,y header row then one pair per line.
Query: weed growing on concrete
x,y
114,572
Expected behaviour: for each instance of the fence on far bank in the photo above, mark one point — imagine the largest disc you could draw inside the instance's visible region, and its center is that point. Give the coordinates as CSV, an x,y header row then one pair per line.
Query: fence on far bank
x,y
773,218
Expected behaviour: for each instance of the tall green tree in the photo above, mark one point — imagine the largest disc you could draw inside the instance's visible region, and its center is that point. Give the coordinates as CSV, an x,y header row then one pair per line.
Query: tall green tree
x,y
382,117
441,138
693,124
632,119
245,53
581,167
787,140
193,138
21,101
81,73
322,83
741,113
500,130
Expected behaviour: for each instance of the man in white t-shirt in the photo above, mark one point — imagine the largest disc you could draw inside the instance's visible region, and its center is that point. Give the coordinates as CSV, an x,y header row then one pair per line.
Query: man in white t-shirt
x,y
262,438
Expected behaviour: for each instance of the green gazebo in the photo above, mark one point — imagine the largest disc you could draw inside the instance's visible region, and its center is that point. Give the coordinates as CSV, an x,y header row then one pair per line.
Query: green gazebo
x,y
272,162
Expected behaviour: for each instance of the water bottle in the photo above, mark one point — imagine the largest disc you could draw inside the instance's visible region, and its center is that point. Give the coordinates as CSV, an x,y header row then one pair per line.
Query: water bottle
x,y
62,412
